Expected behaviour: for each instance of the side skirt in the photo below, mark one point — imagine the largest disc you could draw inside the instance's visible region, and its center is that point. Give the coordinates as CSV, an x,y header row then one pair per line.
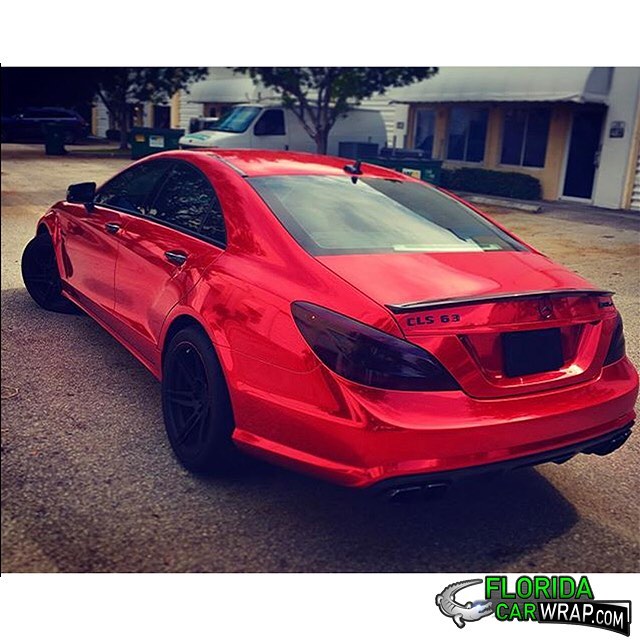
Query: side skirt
x,y
90,309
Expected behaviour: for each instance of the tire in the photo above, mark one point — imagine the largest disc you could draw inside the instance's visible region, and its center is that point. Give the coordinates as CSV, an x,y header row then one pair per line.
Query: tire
x,y
41,276
69,137
196,405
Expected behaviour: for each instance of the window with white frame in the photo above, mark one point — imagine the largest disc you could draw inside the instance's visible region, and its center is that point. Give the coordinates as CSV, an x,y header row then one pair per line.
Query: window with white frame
x,y
467,133
525,133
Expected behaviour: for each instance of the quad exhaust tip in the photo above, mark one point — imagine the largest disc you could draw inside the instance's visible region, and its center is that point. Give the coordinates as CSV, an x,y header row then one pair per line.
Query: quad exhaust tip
x,y
416,490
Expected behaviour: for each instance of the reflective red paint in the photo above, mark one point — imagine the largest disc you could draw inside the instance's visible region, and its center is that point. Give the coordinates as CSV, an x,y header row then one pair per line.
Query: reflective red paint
x,y
289,407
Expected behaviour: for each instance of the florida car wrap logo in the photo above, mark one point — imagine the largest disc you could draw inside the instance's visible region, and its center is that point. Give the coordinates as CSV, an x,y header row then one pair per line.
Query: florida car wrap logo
x,y
543,599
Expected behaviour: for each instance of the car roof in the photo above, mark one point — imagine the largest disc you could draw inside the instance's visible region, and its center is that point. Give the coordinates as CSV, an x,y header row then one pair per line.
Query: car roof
x,y
262,162
41,109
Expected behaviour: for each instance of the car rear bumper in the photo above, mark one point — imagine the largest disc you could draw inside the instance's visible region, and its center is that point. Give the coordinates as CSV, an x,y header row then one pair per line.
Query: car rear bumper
x,y
361,437
398,487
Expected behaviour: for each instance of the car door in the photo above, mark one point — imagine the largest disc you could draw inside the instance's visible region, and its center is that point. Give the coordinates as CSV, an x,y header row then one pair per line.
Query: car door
x,y
269,132
90,240
163,254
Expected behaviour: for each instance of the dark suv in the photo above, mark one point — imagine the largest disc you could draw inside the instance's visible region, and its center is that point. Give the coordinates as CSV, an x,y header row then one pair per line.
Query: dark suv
x,y
29,124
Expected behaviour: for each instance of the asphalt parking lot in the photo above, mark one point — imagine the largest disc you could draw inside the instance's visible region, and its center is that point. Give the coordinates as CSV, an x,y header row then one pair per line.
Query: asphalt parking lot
x,y
89,482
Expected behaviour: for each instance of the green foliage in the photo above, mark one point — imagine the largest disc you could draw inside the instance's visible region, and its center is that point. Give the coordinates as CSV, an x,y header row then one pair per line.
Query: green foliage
x,y
319,95
118,87
508,184
141,84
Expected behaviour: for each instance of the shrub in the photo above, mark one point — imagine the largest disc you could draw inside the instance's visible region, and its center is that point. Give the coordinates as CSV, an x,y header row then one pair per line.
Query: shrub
x,y
508,184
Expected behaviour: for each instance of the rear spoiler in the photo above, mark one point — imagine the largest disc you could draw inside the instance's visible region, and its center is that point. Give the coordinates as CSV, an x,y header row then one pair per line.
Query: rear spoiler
x,y
410,307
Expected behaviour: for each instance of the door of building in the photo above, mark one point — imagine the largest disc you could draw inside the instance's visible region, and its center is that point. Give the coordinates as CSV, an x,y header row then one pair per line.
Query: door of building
x,y
161,116
582,158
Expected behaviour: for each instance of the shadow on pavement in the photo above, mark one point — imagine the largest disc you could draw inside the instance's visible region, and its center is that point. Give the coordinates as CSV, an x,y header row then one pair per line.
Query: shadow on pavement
x,y
476,526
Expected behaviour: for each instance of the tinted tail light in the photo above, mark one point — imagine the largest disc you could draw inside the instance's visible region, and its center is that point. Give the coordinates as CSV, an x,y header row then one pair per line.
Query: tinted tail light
x,y
368,356
617,346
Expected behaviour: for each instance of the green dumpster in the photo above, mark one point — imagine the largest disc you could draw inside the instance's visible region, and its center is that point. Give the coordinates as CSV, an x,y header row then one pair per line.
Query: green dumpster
x,y
54,135
427,170
147,140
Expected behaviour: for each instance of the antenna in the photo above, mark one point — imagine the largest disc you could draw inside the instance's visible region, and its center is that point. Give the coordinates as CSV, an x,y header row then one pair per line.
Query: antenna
x,y
354,170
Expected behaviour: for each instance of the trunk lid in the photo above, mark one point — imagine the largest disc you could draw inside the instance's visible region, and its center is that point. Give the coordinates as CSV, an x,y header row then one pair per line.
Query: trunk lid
x,y
503,323
408,277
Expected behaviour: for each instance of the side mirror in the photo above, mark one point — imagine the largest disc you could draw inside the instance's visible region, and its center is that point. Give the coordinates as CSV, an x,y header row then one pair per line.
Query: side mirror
x,y
82,193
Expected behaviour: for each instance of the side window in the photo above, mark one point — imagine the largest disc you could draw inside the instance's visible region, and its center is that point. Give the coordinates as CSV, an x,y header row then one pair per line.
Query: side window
x,y
270,124
187,200
131,189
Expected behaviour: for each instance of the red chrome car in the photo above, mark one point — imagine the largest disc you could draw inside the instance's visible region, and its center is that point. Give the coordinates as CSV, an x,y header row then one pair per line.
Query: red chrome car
x,y
343,320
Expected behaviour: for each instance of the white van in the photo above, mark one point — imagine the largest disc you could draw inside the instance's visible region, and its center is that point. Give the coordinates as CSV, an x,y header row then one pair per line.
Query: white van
x,y
258,126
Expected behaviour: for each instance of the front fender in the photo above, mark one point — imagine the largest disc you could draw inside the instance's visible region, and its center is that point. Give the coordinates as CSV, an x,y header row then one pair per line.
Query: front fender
x,y
50,222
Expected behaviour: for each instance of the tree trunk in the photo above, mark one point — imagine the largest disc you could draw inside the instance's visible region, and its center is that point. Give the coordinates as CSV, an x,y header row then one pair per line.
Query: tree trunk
x,y
124,126
322,141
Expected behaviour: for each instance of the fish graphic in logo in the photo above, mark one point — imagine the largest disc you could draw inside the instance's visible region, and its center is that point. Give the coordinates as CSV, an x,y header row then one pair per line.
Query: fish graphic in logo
x,y
545,308
461,613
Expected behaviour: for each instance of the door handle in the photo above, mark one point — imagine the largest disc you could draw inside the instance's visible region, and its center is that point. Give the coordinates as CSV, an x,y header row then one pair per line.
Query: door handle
x,y
176,257
112,227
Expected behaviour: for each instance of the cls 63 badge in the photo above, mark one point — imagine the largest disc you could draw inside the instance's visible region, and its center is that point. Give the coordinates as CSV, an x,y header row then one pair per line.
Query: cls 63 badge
x,y
442,318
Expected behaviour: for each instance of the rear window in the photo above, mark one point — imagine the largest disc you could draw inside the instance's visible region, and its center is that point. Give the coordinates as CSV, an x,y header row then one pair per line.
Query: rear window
x,y
332,215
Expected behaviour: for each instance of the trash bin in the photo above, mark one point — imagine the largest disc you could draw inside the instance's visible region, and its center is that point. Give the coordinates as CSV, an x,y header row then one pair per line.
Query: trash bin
x,y
357,150
54,135
421,168
147,140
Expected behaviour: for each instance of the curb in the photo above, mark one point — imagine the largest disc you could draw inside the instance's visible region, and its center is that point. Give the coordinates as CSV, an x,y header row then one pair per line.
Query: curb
x,y
508,204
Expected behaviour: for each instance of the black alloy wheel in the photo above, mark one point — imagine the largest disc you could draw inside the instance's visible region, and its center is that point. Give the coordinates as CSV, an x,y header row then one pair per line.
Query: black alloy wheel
x,y
41,276
196,405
